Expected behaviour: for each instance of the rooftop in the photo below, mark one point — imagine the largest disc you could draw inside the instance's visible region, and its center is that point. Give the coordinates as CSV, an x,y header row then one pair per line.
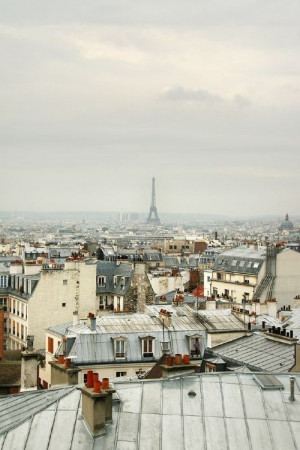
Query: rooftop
x,y
211,411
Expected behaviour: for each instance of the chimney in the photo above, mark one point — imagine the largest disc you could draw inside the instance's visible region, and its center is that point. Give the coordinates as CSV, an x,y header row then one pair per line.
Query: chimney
x,y
210,303
97,408
63,372
29,365
277,334
165,317
1,332
92,322
177,365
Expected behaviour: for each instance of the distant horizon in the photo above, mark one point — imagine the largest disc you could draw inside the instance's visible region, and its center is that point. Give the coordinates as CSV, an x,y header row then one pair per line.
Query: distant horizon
x,y
145,214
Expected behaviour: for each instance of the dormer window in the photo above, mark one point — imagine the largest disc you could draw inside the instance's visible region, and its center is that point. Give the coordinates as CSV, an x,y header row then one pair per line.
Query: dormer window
x,y
147,346
195,345
120,347
115,281
101,281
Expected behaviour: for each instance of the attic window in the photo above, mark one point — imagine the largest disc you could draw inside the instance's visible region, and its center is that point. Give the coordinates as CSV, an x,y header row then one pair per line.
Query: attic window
x,y
101,281
234,263
120,347
255,265
147,346
242,263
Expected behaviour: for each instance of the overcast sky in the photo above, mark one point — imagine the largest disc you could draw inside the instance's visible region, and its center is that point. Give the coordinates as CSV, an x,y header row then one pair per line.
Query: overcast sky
x,y
99,96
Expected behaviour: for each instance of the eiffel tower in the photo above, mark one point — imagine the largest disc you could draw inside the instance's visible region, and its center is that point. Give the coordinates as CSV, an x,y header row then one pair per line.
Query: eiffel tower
x,y
153,210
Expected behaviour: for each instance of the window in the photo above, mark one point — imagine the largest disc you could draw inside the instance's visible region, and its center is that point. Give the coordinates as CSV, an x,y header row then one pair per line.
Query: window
x,y
234,263
255,265
120,347
195,346
208,279
101,280
249,264
147,344
219,276
65,282
50,345
3,302
102,302
3,281
242,263
121,374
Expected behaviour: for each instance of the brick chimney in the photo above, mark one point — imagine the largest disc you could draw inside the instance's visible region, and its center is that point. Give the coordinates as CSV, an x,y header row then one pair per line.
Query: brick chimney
x,y
1,332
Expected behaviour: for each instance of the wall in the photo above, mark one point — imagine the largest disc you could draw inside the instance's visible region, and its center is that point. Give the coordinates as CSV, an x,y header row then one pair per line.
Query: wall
x,y
163,284
54,299
214,339
287,281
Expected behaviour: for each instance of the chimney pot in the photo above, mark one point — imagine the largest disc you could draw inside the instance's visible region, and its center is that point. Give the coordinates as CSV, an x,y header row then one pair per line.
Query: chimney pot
x,y
292,387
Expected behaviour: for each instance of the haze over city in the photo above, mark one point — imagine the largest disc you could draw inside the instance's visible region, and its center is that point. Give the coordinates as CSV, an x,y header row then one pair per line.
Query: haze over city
x,y
96,98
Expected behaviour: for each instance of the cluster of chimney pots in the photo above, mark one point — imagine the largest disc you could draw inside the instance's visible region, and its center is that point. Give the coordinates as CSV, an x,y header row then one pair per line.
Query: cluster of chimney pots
x,y
178,359
94,382
92,377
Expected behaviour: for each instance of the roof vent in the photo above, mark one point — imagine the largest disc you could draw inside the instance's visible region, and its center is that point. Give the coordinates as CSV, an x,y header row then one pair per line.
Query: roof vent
x,y
268,382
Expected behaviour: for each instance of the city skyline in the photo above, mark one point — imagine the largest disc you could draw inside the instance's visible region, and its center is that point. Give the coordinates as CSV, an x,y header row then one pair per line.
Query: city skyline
x,y
98,98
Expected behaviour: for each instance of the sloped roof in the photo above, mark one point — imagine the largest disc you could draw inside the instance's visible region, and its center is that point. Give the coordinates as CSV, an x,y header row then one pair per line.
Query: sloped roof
x,y
241,259
257,352
226,410
220,319
111,269
17,408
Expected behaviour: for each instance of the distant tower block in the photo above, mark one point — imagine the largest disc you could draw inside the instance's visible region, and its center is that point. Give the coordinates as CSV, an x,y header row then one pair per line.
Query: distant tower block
x,y
153,210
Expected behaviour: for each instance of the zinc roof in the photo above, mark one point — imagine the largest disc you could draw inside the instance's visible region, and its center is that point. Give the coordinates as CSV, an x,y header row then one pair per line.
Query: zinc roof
x,y
257,352
226,410
241,259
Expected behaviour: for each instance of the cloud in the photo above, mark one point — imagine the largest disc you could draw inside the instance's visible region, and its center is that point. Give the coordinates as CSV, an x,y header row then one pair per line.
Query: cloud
x,y
182,94
185,95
